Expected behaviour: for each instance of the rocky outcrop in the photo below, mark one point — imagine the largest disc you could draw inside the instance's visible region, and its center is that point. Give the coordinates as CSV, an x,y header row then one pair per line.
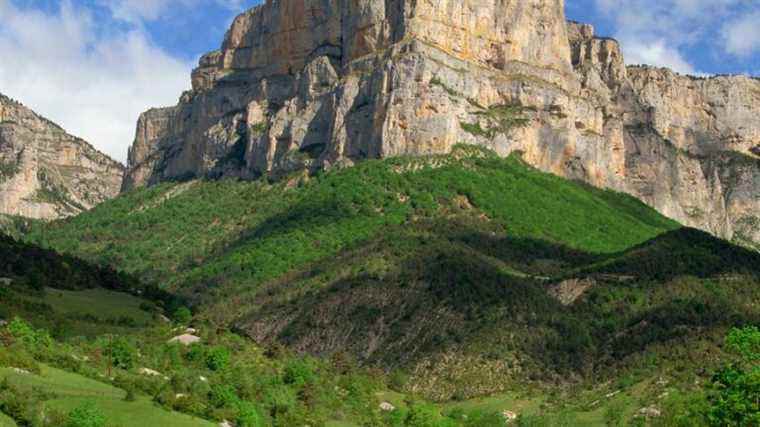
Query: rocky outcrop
x,y
313,84
46,173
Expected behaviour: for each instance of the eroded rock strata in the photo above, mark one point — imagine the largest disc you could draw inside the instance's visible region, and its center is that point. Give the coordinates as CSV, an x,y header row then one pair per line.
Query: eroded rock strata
x,y
46,173
310,84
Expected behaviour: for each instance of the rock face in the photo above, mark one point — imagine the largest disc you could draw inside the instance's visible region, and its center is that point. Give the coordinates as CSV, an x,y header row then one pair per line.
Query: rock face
x,y
311,84
46,173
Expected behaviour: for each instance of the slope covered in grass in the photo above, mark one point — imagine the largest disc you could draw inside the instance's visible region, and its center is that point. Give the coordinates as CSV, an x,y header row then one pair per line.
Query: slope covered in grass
x,y
467,309
467,272
462,276
233,233
65,391
70,296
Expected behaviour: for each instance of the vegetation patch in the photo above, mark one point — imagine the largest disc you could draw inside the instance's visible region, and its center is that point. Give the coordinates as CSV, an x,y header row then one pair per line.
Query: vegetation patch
x,y
500,120
8,170
435,81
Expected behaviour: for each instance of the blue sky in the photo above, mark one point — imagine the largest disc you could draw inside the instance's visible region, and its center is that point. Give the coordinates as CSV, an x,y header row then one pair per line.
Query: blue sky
x,y
94,65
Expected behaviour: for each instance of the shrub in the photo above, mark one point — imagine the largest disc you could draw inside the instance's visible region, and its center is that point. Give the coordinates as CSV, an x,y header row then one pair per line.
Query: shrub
x,y
16,356
218,358
182,315
299,372
222,395
196,353
681,409
86,415
128,385
745,342
24,332
483,419
248,416
735,397
426,415
280,399
397,380
397,417
122,353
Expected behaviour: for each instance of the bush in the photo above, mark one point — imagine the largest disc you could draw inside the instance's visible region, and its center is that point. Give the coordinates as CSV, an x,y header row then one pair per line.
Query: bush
x,y
222,395
682,409
745,342
426,415
122,353
280,399
299,372
248,416
735,397
86,415
128,385
24,332
196,353
16,356
182,315
218,358
397,380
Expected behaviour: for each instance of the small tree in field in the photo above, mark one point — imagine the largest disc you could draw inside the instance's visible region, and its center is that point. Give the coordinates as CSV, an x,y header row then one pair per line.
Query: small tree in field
x,y
86,415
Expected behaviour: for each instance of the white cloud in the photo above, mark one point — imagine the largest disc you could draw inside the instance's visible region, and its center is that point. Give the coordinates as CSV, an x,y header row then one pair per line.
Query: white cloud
x,y
742,35
136,11
660,32
656,53
94,84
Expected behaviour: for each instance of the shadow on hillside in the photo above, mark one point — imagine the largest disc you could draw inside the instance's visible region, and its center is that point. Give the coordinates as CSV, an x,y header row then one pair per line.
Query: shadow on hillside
x,y
685,251
33,267
452,293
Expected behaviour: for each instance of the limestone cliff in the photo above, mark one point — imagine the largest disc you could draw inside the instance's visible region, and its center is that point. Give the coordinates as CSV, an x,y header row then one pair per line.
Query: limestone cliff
x,y
310,84
46,173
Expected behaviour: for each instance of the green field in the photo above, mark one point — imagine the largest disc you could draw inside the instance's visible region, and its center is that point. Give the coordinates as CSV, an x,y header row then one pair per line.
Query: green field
x,y
70,390
88,312
100,303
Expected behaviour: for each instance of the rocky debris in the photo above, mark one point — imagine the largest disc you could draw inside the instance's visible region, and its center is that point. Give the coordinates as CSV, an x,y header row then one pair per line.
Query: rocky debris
x,y
569,291
21,371
4,281
375,79
151,373
46,173
226,423
387,407
649,412
185,339
509,416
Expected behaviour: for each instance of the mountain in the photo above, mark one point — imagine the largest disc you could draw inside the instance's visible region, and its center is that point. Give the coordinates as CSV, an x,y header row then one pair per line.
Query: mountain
x,y
321,84
405,213
467,271
46,173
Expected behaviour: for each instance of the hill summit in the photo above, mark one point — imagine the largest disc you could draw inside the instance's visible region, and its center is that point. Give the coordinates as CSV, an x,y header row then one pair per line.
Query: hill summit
x,y
308,85
46,173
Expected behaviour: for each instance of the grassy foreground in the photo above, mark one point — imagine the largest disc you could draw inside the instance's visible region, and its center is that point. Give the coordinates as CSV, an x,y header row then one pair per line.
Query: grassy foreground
x,y
68,391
